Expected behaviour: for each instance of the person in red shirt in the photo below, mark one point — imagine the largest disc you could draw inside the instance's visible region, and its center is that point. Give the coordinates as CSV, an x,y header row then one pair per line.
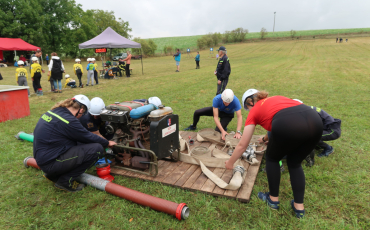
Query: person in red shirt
x,y
295,130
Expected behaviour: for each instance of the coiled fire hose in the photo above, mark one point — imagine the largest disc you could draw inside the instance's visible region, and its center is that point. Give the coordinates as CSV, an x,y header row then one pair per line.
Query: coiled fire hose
x,y
180,211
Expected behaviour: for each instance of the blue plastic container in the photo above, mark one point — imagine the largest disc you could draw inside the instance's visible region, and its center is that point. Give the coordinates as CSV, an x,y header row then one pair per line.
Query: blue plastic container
x,y
142,111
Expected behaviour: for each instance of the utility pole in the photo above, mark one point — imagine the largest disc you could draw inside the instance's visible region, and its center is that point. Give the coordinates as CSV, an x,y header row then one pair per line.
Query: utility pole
x,y
273,31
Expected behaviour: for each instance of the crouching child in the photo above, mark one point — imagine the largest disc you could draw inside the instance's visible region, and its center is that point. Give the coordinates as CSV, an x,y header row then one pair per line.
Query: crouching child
x,y
69,82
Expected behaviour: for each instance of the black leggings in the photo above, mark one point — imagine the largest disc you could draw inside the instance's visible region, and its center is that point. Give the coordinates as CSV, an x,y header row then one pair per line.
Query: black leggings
x,y
79,76
128,70
208,111
36,83
96,77
295,132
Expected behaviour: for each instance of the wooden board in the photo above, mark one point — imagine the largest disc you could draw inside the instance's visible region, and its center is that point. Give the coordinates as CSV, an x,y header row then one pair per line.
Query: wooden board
x,y
190,177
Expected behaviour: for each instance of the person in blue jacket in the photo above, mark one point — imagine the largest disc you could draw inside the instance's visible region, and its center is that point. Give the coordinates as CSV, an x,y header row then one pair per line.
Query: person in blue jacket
x,y
177,56
197,60
224,106
62,147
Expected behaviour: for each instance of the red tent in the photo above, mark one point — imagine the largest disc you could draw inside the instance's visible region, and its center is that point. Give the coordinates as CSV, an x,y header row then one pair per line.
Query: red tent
x,y
7,44
10,44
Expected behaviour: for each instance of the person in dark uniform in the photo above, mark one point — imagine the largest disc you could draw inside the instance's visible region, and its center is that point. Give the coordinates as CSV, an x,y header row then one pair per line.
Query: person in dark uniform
x,y
62,147
92,120
222,71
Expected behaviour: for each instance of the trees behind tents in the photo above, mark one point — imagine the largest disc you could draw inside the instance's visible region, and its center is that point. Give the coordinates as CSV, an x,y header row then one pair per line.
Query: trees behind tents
x,y
56,25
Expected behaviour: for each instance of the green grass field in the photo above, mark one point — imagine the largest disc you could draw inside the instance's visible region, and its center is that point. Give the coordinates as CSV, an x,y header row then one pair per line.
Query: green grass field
x,y
334,77
183,42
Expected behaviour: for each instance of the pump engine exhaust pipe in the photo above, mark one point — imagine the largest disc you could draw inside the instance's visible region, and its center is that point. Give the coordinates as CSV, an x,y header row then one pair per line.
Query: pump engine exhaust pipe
x,y
180,211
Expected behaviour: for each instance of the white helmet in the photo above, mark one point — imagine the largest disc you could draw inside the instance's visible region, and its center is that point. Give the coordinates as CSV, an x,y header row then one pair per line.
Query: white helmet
x,y
248,93
88,59
92,59
34,59
20,63
155,101
298,100
227,96
67,76
97,105
82,99
77,60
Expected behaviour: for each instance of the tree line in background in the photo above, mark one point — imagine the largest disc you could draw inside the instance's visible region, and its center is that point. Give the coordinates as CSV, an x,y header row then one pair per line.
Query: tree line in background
x,y
56,25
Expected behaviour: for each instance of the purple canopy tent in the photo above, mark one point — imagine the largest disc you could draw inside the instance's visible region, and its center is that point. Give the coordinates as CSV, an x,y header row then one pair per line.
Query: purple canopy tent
x,y
111,39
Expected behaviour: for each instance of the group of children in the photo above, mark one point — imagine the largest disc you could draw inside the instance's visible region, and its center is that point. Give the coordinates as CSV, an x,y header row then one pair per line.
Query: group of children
x,y
21,75
92,71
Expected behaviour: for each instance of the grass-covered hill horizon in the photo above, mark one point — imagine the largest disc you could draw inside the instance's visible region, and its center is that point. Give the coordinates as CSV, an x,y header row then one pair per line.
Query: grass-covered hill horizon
x,y
184,42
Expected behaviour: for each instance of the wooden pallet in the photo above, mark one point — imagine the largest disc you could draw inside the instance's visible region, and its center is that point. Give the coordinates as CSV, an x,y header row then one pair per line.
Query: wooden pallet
x,y
190,177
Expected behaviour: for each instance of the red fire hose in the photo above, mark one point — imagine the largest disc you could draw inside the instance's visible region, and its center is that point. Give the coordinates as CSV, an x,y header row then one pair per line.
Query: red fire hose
x,y
180,211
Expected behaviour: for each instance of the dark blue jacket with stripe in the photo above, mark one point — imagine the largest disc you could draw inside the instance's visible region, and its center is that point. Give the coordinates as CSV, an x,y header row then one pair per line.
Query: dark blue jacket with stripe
x,y
56,132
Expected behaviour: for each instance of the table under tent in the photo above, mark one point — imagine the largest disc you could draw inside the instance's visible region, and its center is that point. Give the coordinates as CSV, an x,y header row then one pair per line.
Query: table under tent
x,y
111,39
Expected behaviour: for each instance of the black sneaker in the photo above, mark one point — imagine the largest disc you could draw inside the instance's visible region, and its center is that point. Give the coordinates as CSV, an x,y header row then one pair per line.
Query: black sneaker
x,y
310,161
191,127
51,178
76,187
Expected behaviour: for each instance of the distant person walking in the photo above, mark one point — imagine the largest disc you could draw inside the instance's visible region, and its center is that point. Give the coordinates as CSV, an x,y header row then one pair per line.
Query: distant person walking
x,y
177,56
47,59
223,70
56,70
128,62
197,60
336,41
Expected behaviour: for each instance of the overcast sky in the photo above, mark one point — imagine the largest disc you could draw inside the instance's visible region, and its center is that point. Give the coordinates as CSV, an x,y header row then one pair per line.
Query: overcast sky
x,y
169,18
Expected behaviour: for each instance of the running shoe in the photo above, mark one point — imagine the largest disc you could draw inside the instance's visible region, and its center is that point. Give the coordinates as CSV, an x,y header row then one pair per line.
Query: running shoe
x,y
298,213
74,188
326,152
266,198
191,127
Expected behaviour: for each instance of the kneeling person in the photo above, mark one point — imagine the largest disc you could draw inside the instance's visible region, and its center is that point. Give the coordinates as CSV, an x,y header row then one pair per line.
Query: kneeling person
x,y
92,120
62,147
224,107
69,82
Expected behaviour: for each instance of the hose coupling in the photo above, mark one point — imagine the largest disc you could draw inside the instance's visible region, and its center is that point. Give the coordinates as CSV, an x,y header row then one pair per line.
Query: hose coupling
x,y
240,169
25,161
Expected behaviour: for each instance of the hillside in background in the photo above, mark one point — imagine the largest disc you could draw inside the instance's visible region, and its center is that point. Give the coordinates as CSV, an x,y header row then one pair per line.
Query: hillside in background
x,y
184,42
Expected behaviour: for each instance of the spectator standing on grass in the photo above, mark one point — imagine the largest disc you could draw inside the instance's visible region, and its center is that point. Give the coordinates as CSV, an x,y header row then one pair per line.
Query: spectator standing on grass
x,y
47,59
95,71
56,70
336,41
128,62
197,60
36,76
223,70
177,56
21,75
90,72
78,69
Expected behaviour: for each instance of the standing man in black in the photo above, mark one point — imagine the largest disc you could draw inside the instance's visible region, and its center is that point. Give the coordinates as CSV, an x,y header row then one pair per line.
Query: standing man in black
x,y
223,70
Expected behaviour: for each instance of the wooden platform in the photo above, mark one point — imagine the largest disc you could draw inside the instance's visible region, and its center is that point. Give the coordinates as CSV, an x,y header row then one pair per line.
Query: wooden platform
x,y
190,177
